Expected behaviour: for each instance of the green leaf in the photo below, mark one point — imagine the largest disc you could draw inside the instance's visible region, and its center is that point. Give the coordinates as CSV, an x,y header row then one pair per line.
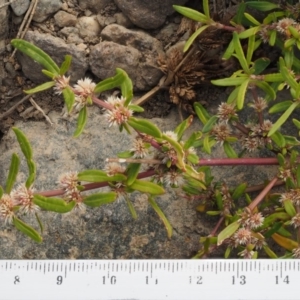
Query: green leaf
x,y
269,220
283,118
266,88
53,204
26,229
281,106
269,252
40,88
207,145
144,126
36,54
229,150
193,158
273,16
239,17
231,81
249,32
161,216
65,66
125,154
69,98
126,87
278,139
288,44
1,192
110,83
135,108
262,5
147,187
192,38
252,20
241,94
48,74
288,77
233,95
289,58
98,199
229,51
99,176
201,112
132,172
260,65
227,232
239,191
281,159
284,242
240,53
289,207
183,126
24,143
196,135
273,77
131,208
219,200
12,174
273,37
205,5
209,124
296,123
191,13
82,118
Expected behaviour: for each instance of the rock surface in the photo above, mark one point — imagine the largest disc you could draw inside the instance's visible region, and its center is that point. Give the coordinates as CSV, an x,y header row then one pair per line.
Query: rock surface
x,y
45,8
19,7
57,49
148,14
4,14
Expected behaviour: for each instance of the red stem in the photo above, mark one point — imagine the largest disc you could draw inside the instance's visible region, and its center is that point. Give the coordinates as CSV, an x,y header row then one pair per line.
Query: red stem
x,y
238,161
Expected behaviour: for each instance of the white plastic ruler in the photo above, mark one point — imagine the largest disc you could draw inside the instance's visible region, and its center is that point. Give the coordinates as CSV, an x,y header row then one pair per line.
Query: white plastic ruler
x,y
149,279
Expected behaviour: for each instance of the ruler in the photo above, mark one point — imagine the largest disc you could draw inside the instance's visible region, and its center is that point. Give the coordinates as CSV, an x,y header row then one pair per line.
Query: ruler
x,y
149,279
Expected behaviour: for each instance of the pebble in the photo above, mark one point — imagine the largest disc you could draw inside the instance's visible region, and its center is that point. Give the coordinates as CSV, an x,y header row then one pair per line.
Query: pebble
x,y
19,7
88,27
64,19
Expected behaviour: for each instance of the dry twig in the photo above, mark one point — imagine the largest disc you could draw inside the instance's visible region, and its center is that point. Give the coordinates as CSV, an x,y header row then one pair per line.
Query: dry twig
x,y
36,106
11,110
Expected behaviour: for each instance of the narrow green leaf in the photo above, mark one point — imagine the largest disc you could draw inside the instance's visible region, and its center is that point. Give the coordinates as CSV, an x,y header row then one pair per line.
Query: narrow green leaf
x,y
183,126
229,51
273,77
266,88
239,191
82,118
241,94
249,32
288,44
49,74
145,126
281,159
99,176
284,242
269,220
296,123
69,98
219,200
196,135
131,208
280,107
260,65
252,20
53,204
110,83
288,77
191,13
273,37
192,38
262,5
161,216
289,207
273,16
233,95
147,187
231,81
289,58
98,199
132,172
201,112
24,143
65,66
278,139
209,124
229,150
207,145
36,54
239,17
227,232
12,174
283,118
205,5
269,252
126,87
26,229
136,108
193,158
40,88
125,154
39,222
240,52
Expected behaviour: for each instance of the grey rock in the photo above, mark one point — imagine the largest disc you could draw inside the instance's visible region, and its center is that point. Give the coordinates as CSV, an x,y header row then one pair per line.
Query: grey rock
x,y
64,19
148,14
68,30
134,51
104,21
88,27
94,5
105,232
57,49
10,69
46,8
19,7
4,14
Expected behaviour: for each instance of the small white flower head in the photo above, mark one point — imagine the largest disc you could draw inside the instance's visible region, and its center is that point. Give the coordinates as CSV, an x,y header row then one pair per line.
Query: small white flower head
x,y
171,134
266,126
283,25
113,168
119,114
284,174
264,34
68,181
247,254
6,208
23,196
140,149
226,111
296,252
61,82
242,236
173,179
80,102
251,143
221,132
84,87
295,221
259,104
251,220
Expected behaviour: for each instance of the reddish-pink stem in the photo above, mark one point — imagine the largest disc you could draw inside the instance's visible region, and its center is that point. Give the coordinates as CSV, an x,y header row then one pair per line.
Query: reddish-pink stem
x,y
238,161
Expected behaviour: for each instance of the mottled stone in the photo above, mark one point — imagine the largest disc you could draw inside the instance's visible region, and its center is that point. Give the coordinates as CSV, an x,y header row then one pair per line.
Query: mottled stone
x,y
46,8
88,27
19,7
64,19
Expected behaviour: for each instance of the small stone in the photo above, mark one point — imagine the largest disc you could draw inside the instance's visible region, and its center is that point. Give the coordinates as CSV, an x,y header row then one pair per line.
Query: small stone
x,y
65,6
68,30
94,5
45,8
64,19
88,27
73,38
88,13
19,7
10,69
122,20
